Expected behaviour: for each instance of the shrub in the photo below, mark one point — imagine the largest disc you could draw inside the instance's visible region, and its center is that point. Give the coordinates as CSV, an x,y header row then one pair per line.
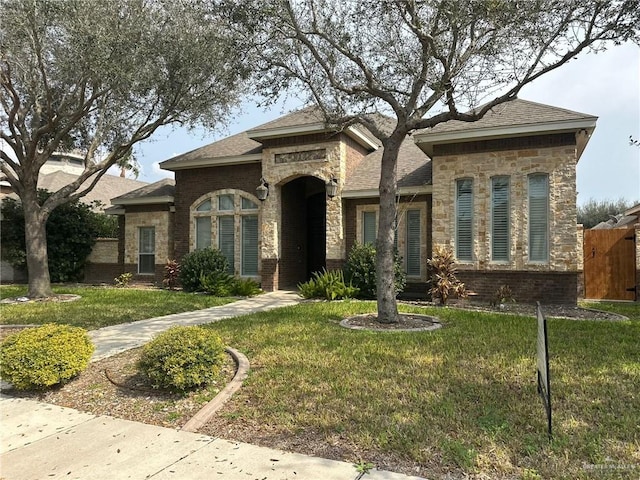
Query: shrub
x,y
216,283
200,264
246,287
37,358
501,296
171,272
360,270
329,285
123,280
444,282
182,358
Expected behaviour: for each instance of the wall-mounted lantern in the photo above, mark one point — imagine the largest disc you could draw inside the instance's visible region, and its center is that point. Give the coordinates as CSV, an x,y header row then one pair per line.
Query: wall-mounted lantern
x,y
262,191
332,188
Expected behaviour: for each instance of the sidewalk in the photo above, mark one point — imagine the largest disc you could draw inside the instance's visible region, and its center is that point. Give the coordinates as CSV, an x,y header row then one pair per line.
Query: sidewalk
x,y
43,441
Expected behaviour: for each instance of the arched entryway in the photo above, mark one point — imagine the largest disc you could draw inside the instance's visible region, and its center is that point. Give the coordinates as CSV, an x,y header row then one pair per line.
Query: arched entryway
x,y
303,237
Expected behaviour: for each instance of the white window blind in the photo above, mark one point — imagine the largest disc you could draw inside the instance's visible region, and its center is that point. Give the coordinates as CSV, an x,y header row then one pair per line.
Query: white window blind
x,y
203,232
500,218
538,218
250,245
413,243
464,219
369,229
226,240
146,250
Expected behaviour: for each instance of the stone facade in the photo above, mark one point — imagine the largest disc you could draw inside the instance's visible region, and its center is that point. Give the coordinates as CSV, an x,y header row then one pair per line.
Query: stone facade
x,y
161,221
558,161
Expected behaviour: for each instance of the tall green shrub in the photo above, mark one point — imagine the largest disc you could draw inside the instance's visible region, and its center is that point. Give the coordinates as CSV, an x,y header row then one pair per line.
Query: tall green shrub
x,y
37,358
199,265
360,270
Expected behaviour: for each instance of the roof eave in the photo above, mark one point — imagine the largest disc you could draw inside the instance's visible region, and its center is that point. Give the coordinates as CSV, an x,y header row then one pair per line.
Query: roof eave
x,y
426,140
173,165
143,200
374,193
356,134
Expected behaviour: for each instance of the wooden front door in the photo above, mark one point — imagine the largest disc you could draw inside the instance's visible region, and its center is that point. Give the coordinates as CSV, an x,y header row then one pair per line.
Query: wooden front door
x,y
609,264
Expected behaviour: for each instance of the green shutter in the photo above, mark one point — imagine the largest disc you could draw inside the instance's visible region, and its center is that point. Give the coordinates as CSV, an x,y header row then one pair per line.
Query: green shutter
x,y
203,232
538,218
250,245
226,240
369,230
464,219
413,243
500,218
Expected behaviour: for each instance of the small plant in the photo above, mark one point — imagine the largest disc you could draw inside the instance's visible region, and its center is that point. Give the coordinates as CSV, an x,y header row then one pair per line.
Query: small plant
x,y
198,265
171,272
444,282
246,287
38,358
217,283
123,280
501,296
182,358
363,468
360,270
329,285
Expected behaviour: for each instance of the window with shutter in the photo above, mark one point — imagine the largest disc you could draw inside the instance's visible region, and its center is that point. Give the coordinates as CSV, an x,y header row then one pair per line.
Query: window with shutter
x,y
146,250
226,240
500,219
539,218
369,228
464,219
250,245
413,243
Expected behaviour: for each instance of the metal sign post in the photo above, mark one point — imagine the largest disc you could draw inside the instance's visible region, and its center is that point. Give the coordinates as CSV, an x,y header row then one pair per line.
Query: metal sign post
x,y
544,385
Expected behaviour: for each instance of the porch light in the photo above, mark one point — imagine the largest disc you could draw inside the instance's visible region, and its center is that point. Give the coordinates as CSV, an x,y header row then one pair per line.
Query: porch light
x,y
332,188
262,191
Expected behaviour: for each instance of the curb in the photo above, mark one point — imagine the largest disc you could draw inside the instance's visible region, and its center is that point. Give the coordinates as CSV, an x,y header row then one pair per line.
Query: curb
x,y
211,408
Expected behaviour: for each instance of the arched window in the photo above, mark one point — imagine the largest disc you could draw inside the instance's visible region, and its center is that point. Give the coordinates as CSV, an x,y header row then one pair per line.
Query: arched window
x,y
228,220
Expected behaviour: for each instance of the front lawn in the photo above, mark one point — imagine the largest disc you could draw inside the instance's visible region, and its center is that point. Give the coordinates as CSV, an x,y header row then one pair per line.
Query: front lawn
x,y
460,400
101,306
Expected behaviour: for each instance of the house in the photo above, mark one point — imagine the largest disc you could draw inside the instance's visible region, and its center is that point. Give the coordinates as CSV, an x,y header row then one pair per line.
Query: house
x,y
289,197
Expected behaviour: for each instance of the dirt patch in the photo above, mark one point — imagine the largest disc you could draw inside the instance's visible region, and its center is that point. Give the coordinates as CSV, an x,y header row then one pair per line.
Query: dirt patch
x,y
63,297
407,322
114,387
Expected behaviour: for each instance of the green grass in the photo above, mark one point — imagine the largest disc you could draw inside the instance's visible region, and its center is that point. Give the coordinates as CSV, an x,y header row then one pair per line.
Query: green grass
x,y
100,306
460,399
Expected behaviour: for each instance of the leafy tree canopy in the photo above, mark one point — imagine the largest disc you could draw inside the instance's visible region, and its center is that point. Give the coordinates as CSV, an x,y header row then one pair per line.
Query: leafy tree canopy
x,y
98,77
594,211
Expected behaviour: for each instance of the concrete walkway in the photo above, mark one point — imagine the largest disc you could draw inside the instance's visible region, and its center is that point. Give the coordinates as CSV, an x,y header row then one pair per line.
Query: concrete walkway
x,y
43,441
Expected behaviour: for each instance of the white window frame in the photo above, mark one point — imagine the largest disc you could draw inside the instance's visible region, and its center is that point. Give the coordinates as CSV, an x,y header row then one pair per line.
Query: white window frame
x,y
237,212
146,254
458,183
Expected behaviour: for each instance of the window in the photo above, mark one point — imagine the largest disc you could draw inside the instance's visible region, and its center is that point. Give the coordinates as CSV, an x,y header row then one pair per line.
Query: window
x,y
500,219
413,243
147,250
538,218
228,220
369,227
464,219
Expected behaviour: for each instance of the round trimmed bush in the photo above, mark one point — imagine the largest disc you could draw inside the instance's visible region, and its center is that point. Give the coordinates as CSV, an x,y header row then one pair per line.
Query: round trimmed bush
x,y
360,270
182,358
38,358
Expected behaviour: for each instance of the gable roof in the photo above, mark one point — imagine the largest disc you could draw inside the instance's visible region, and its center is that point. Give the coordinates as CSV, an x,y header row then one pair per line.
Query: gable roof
x,y
509,119
245,147
161,191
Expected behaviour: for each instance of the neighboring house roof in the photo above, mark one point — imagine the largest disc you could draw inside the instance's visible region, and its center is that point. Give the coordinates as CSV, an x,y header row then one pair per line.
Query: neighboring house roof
x,y
513,118
158,192
108,186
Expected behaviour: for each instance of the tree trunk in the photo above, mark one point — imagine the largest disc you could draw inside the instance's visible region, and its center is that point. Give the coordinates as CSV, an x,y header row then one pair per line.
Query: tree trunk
x,y
35,231
385,272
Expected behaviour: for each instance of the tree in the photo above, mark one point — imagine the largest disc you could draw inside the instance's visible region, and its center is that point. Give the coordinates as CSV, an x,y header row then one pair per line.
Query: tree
x,y
593,211
99,77
421,63
72,229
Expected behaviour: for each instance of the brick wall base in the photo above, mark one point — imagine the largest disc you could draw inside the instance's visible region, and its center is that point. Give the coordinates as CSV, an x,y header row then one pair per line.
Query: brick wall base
x,y
270,274
528,287
95,273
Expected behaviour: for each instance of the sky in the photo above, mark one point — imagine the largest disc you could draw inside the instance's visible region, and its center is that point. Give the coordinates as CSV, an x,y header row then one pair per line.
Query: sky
x,y
606,85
